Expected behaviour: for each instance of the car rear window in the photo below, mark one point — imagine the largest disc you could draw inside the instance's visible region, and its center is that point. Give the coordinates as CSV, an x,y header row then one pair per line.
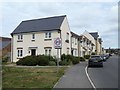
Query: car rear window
x,y
95,56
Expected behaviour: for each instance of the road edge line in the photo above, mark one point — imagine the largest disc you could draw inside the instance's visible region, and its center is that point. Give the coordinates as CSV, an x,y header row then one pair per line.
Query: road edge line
x,y
91,82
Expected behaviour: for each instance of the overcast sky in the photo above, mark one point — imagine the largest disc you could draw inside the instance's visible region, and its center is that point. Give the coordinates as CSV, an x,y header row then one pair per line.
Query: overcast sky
x,y
93,16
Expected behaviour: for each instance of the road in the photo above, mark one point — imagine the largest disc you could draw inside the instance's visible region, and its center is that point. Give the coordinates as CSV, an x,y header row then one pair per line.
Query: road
x,y
103,78
106,77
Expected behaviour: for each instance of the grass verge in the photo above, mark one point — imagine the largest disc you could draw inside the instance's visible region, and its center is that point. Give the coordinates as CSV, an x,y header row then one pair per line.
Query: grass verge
x,y
37,77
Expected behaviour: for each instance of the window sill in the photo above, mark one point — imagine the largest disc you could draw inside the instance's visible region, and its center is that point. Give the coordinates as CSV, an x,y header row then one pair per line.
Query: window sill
x,y
19,40
47,39
32,40
19,57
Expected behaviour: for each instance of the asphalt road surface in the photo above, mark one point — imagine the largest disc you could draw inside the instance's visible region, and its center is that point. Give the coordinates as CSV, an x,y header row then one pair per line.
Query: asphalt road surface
x,y
103,78
106,77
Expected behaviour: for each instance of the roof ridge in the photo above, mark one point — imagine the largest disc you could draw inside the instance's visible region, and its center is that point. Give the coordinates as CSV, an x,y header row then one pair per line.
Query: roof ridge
x,y
45,18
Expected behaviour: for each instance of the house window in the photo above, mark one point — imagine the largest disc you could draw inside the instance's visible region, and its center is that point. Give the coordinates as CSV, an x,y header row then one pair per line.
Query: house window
x,y
67,38
48,35
20,37
19,52
33,36
48,51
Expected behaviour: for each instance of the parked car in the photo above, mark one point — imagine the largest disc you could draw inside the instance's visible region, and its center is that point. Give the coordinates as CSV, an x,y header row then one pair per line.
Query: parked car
x,y
95,60
107,56
110,54
104,58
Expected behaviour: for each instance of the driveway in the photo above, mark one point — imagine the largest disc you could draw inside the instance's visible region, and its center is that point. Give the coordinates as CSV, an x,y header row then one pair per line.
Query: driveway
x,y
75,77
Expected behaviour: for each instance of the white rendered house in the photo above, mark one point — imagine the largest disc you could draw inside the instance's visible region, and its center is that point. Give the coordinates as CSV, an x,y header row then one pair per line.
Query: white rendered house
x,y
34,37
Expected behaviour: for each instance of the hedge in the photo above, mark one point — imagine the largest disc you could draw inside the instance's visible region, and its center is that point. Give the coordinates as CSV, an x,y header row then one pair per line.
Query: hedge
x,y
82,59
75,60
86,56
40,60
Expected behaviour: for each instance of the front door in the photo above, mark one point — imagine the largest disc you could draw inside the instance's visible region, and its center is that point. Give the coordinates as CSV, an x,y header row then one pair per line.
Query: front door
x,y
33,52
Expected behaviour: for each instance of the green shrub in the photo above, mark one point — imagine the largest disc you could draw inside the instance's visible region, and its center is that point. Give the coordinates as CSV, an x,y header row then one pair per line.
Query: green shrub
x,y
42,60
75,60
63,57
93,53
28,61
64,62
66,59
5,59
82,59
86,56
52,63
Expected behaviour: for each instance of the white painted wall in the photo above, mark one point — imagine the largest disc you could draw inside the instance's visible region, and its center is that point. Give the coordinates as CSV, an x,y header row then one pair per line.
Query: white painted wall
x,y
74,41
64,30
39,42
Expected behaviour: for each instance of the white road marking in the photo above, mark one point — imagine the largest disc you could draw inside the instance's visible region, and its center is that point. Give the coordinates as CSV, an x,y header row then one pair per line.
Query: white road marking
x,y
86,70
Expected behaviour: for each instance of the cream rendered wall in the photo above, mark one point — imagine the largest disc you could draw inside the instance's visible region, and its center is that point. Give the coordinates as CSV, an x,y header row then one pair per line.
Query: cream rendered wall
x,y
91,38
98,48
75,46
64,30
39,42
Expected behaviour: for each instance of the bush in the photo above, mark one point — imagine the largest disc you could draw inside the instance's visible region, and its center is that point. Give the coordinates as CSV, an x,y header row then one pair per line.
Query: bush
x,y
64,62
63,57
42,60
93,53
86,56
52,63
75,60
66,59
5,59
82,59
28,61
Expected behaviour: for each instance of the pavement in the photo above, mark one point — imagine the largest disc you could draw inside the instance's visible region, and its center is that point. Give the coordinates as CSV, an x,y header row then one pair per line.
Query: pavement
x,y
75,77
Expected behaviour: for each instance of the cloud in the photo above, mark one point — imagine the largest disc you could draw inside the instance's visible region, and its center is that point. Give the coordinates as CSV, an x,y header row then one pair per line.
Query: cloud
x,y
92,16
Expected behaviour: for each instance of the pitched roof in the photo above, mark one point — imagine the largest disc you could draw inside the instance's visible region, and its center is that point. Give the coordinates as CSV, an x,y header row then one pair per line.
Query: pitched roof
x,y
74,34
95,35
100,40
36,25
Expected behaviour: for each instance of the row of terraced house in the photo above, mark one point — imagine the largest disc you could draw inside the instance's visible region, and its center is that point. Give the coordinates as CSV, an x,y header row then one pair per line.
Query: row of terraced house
x,y
34,37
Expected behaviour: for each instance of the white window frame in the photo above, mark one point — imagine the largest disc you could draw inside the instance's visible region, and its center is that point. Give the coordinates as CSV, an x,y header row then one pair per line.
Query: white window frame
x,y
48,51
19,53
20,37
33,36
48,35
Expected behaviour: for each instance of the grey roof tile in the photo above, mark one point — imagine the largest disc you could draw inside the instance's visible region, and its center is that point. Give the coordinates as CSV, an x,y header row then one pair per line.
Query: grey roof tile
x,y
95,35
36,25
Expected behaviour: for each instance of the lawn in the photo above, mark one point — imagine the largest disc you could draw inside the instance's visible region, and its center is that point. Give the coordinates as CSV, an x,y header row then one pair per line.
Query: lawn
x,y
32,77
